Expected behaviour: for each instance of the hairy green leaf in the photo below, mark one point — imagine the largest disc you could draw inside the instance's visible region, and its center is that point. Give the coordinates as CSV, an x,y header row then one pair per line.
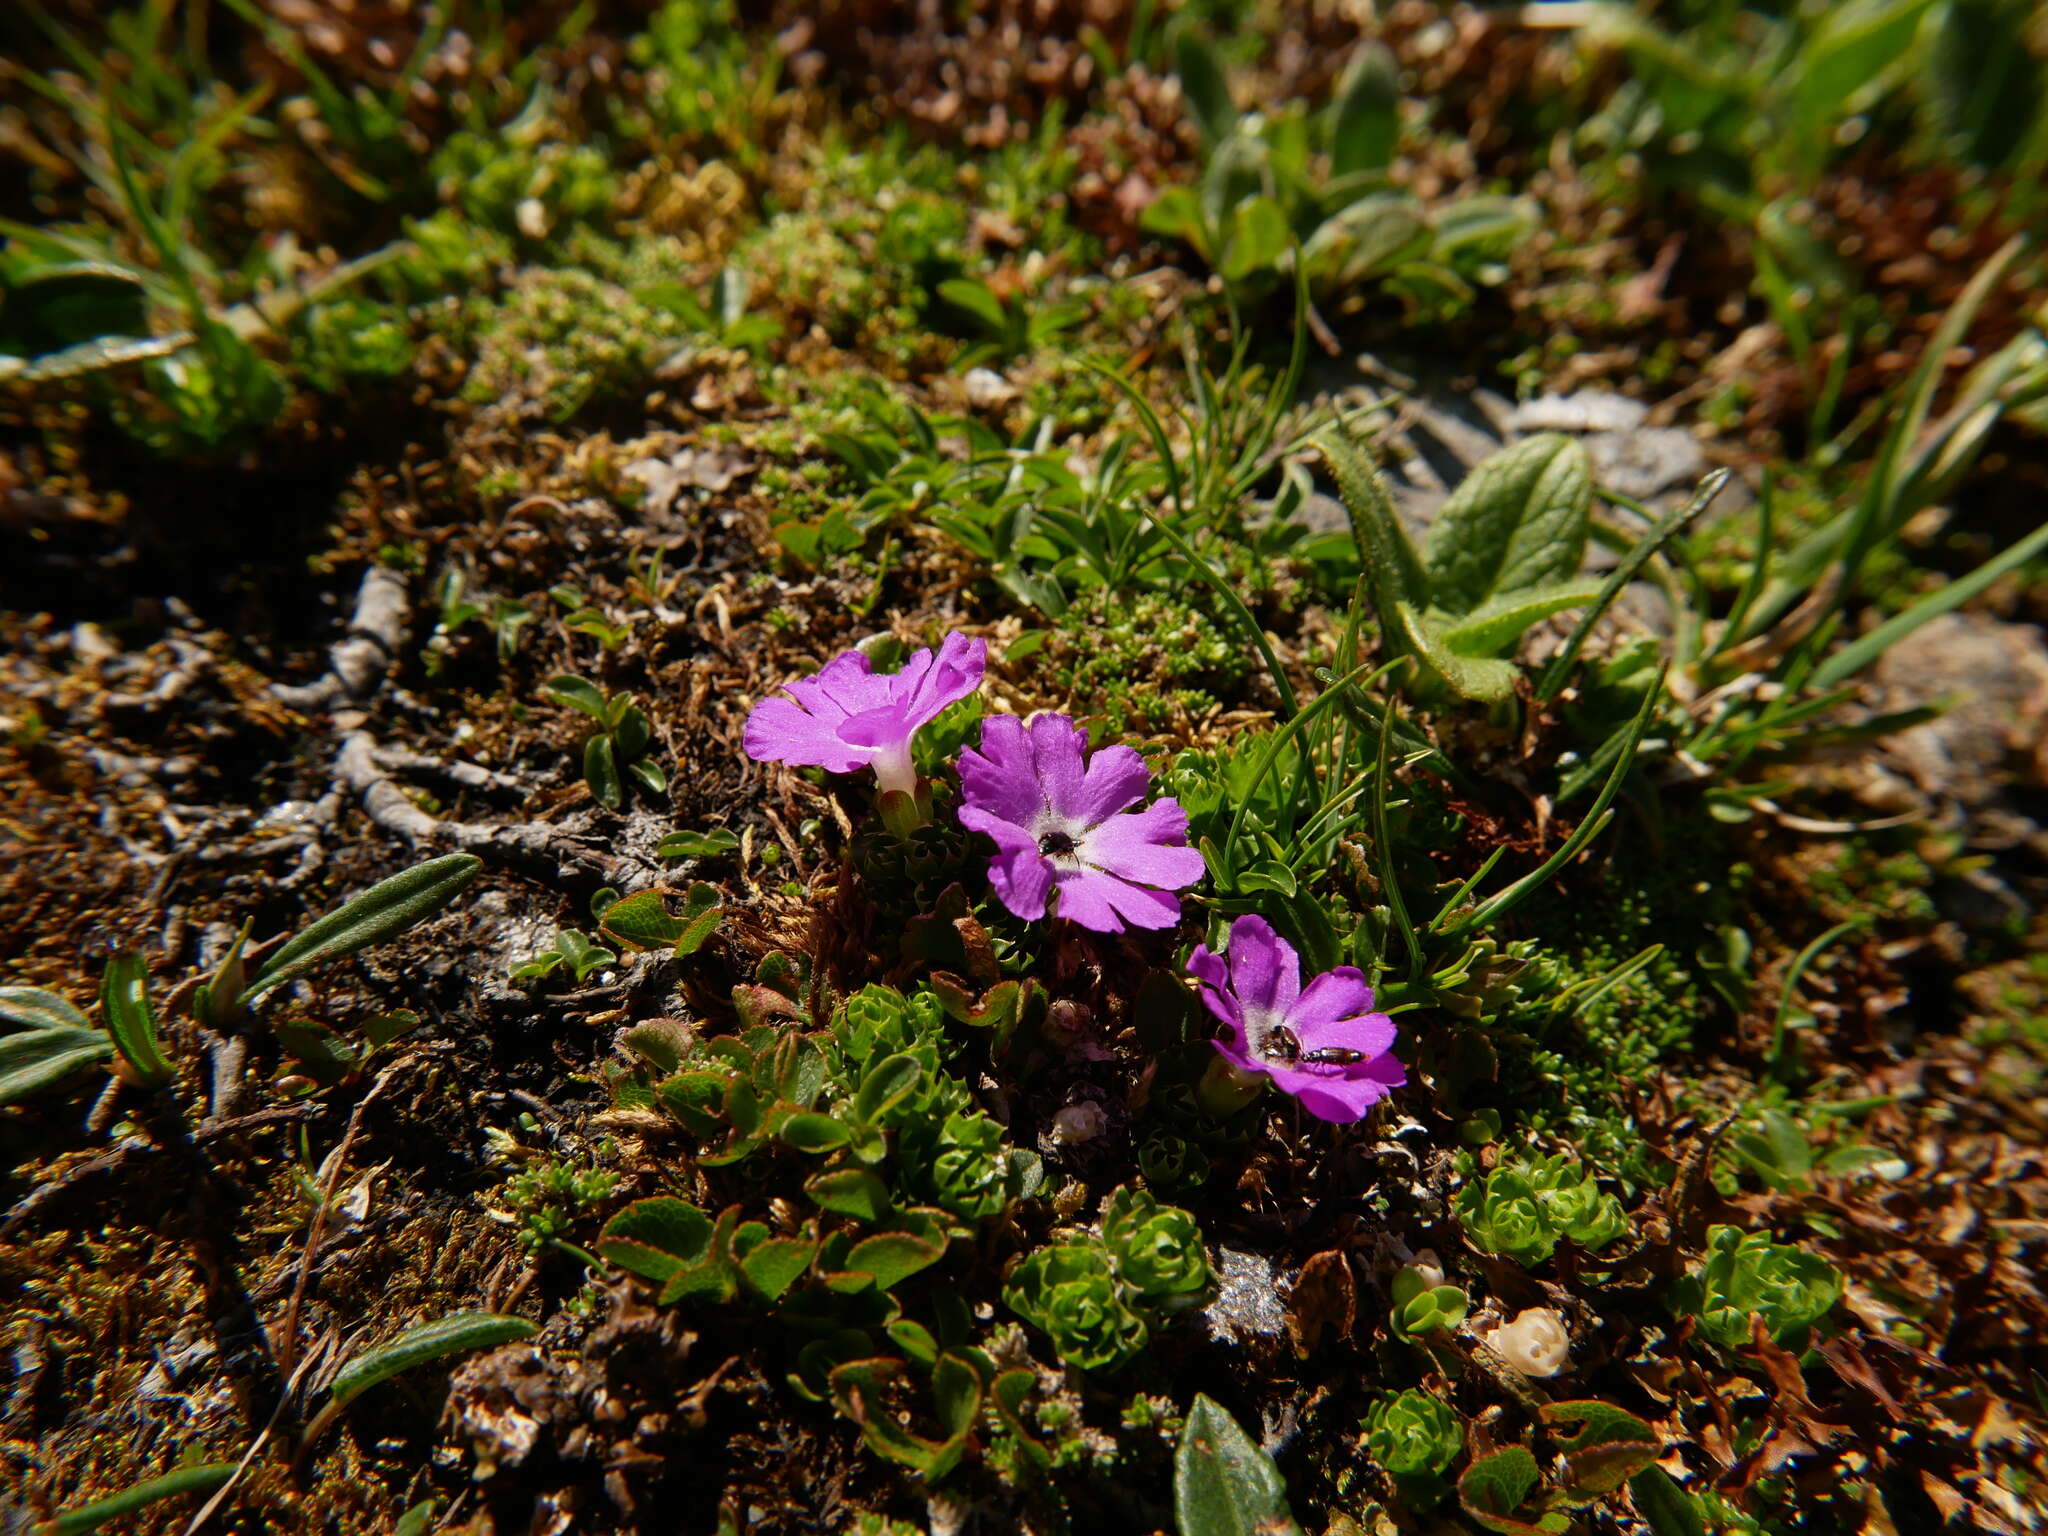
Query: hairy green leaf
x,y
1223,1484
129,1501
1517,521
382,912
125,1010
458,1333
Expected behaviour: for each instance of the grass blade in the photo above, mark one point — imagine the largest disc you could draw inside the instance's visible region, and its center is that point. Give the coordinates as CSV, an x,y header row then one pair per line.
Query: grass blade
x,y
1677,522
1857,655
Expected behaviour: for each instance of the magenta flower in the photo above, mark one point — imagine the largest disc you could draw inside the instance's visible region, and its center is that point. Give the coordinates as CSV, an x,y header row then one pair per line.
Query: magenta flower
x,y
1063,820
1321,1043
848,718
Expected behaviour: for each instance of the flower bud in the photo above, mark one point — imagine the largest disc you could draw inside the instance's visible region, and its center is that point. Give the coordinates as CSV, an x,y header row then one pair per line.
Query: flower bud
x,y
1534,1342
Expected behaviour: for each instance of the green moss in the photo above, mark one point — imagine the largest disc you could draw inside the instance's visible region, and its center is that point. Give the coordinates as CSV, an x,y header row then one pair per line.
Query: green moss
x,y
1149,660
1566,1069
559,340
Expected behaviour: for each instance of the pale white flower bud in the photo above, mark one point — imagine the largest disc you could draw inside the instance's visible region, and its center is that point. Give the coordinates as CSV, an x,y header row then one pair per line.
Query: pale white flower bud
x,y
1534,1342
1429,1267
1078,1123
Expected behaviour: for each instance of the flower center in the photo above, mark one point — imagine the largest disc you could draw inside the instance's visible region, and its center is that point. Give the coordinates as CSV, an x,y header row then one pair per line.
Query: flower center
x,y
1273,1041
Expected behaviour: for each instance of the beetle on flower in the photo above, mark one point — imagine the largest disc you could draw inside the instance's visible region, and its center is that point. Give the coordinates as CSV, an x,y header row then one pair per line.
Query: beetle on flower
x,y
1321,1043
1063,821
849,717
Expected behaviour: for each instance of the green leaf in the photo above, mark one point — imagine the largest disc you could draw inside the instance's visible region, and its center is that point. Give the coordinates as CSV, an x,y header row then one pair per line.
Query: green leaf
x,y
1393,573
697,845
657,1238
1851,46
1517,521
320,1053
1502,620
772,1265
1638,556
643,921
129,1501
814,1133
648,776
860,1391
124,1005
1481,678
1223,1484
1665,1507
887,1084
1611,1447
579,694
1258,237
34,1059
1365,116
455,1334
977,299
601,772
382,912
71,303
956,1392
1367,239
695,1098
1200,69
893,1256
33,1008
1494,1489
700,921
850,1192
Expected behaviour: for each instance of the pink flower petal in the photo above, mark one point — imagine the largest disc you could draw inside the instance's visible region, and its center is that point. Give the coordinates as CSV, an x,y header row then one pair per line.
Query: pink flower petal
x,y
1265,972
1116,780
1148,847
779,732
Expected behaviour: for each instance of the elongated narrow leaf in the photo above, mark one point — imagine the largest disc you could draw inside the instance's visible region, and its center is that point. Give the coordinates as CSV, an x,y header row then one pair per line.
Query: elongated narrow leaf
x,y
1665,1507
1365,116
129,1501
1518,520
1201,78
1853,658
382,912
601,772
453,1335
1223,1484
124,1005
1392,569
33,1008
34,1059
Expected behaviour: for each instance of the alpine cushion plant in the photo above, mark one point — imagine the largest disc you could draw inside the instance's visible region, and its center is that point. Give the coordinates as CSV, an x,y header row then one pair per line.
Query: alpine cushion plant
x,y
849,717
1063,821
1321,1043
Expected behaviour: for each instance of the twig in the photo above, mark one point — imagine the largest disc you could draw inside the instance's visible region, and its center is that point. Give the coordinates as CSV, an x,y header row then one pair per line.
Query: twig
x,y
286,1345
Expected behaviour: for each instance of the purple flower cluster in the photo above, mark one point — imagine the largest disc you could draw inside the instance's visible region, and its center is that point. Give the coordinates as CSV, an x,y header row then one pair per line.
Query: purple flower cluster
x,y
1074,837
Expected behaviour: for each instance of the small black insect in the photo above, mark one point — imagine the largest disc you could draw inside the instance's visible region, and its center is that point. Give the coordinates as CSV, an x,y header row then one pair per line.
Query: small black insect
x,y
1054,844
1333,1056
1280,1044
